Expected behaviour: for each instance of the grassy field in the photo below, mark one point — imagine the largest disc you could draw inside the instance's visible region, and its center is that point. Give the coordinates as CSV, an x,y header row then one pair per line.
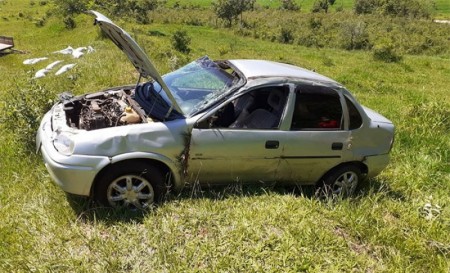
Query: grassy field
x,y
398,222
442,6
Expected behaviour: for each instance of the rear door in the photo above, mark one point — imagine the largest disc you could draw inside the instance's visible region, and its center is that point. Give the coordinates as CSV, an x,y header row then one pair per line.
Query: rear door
x,y
316,140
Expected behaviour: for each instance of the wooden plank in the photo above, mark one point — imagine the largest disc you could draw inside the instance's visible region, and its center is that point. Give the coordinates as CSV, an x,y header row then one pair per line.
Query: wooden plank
x,y
6,43
4,46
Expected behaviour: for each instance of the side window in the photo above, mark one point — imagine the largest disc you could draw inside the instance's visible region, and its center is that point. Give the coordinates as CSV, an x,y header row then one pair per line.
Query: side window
x,y
316,108
258,109
355,116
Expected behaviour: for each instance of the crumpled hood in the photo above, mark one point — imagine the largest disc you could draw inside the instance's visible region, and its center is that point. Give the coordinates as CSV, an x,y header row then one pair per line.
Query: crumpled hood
x,y
134,53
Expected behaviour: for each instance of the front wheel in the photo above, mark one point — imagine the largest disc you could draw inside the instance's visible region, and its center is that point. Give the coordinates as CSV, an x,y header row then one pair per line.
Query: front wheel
x,y
131,185
341,181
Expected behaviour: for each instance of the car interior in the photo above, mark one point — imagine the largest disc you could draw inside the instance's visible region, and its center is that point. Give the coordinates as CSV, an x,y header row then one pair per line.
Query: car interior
x,y
258,109
317,108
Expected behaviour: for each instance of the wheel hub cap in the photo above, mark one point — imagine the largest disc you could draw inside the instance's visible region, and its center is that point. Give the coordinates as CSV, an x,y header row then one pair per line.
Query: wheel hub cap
x,y
130,191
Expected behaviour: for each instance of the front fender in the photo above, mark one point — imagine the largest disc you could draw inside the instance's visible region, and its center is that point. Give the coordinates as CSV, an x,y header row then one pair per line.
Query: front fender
x,y
173,166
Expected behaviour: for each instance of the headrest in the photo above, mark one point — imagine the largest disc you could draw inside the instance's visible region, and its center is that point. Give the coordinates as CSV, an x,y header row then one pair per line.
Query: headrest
x,y
276,100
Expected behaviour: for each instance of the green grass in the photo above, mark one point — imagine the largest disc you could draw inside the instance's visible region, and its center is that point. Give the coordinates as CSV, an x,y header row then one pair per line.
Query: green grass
x,y
399,222
442,6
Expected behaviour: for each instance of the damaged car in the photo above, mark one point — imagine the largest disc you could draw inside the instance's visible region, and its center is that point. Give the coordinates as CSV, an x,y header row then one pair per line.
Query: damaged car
x,y
210,122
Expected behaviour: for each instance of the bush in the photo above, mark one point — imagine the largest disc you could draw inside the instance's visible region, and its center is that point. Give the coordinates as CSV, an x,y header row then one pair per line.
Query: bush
x,y
40,22
319,6
365,6
354,35
322,5
286,36
181,41
289,5
69,22
387,54
23,110
402,8
71,7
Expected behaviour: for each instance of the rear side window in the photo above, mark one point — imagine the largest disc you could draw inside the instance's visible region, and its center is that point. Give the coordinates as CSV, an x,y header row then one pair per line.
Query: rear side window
x,y
316,108
355,116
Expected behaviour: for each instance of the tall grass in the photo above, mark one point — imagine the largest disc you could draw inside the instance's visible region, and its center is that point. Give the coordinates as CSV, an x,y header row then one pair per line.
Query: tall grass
x,y
399,222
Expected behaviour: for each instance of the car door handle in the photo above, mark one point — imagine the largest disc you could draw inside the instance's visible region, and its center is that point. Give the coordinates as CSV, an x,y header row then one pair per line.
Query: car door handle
x,y
337,146
272,144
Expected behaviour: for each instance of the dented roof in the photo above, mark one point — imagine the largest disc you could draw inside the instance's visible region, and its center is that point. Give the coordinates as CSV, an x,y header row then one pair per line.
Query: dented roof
x,y
254,69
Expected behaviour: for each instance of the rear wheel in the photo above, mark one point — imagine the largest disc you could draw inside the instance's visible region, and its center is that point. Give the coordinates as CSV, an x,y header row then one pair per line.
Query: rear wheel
x,y
132,185
341,181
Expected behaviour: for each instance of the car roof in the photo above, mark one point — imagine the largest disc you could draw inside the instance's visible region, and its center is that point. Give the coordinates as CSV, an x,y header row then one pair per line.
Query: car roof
x,y
254,69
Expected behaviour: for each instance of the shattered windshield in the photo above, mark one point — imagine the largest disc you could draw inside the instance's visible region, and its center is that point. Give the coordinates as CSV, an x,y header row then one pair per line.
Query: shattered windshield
x,y
198,84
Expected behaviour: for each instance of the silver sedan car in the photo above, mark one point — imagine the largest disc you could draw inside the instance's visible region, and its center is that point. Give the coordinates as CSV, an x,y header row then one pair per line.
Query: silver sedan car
x,y
210,122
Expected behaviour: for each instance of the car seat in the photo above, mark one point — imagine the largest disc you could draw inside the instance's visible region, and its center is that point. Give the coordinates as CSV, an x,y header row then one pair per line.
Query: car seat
x,y
263,118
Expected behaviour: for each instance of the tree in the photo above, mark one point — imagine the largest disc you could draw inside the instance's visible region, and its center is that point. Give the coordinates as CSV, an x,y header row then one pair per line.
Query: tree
x,y
230,10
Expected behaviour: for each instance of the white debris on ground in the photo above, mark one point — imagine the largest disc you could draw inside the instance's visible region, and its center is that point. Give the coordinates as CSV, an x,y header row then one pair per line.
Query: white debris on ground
x,y
67,50
75,52
34,60
64,69
442,21
40,73
78,52
50,66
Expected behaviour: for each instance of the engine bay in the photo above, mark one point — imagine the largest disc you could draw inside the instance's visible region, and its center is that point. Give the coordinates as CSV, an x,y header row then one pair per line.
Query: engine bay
x,y
103,109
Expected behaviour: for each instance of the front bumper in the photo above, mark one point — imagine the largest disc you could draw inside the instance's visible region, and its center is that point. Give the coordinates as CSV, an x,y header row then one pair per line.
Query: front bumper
x,y
73,173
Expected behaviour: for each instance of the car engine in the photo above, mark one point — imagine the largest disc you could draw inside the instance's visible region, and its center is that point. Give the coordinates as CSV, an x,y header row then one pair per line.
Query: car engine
x,y
101,110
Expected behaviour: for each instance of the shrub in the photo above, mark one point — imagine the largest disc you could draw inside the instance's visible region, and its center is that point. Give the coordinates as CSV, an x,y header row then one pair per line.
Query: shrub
x,y
322,5
286,36
310,39
315,22
354,35
181,41
319,6
289,5
40,22
23,109
365,6
402,8
71,7
386,53
69,22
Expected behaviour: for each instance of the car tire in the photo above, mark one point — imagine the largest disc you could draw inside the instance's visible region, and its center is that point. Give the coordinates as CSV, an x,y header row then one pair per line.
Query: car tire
x,y
132,185
340,182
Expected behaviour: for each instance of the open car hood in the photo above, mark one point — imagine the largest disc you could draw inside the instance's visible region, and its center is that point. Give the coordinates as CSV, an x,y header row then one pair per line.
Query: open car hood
x,y
134,53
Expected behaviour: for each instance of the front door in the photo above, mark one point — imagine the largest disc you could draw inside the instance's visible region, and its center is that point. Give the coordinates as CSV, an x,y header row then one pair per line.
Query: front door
x,y
241,140
240,155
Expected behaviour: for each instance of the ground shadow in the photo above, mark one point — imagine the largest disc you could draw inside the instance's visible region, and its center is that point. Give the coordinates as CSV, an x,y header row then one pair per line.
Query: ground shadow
x,y
379,185
4,53
89,211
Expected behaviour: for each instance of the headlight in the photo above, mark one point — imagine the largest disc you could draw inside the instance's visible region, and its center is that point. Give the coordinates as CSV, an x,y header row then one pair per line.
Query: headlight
x,y
63,144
